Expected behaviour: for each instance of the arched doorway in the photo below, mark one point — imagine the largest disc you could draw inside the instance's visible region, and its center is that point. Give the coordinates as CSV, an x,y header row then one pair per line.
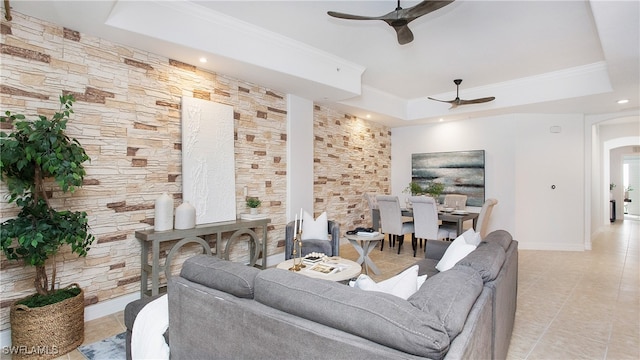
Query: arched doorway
x,y
603,133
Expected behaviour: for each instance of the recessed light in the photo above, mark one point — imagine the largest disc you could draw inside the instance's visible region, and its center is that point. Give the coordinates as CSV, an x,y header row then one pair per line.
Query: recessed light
x,y
368,116
623,101
203,60
441,120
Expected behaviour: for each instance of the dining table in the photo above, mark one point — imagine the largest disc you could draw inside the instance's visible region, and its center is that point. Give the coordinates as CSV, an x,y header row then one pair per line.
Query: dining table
x,y
457,217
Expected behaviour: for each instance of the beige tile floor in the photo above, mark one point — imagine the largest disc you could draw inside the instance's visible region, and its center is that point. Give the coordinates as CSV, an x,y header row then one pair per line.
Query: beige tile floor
x,y
571,305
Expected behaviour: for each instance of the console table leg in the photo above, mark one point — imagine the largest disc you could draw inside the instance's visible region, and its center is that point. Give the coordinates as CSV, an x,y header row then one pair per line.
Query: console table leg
x,y
155,269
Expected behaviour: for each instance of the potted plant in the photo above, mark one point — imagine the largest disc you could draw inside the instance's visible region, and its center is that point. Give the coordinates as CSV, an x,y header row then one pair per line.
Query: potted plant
x,y
253,203
414,189
35,157
434,189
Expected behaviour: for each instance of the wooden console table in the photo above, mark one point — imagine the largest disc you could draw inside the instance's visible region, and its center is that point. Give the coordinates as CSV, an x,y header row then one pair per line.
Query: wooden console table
x,y
152,239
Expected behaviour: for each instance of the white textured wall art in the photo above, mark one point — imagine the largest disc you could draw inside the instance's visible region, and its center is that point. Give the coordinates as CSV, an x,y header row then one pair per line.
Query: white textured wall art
x,y
208,162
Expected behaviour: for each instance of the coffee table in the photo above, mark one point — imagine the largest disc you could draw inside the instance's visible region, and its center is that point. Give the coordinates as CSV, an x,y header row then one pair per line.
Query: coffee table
x,y
351,269
364,245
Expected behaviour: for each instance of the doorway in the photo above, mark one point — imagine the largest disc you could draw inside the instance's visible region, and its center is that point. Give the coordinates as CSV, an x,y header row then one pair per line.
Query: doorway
x,y
631,184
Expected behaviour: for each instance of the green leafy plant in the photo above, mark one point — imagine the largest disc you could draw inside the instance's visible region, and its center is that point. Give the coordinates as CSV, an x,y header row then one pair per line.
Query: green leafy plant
x,y
414,189
253,202
34,152
434,189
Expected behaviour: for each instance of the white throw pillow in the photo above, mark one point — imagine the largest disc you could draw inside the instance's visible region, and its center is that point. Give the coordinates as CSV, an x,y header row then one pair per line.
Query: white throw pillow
x,y
472,237
315,229
402,285
455,252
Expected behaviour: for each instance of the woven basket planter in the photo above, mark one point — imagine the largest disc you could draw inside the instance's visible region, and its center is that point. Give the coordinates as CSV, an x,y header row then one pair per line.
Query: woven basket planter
x,y
49,331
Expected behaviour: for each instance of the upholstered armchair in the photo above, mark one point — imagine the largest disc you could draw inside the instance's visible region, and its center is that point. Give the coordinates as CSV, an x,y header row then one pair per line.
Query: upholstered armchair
x,y
329,247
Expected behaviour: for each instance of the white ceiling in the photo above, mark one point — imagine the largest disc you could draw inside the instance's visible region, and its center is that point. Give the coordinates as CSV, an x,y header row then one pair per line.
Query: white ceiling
x,y
534,56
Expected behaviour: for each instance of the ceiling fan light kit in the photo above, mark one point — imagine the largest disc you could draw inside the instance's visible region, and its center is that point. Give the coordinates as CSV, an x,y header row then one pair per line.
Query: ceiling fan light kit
x,y
457,101
400,18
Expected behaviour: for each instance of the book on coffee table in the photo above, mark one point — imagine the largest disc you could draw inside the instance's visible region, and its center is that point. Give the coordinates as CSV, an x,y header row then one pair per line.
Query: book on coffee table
x,y
310,260
325,269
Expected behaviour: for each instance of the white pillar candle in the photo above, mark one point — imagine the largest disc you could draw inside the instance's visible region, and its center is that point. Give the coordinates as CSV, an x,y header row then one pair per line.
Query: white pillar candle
x,y
185,216
163,213
300,229
295,225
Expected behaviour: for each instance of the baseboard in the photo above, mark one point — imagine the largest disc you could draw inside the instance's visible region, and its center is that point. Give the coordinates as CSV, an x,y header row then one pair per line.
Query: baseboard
x,y
109,307
551,246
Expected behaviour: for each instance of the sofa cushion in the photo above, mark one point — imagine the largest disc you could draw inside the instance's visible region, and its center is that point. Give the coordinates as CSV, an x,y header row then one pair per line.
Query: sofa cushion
x,y
458,249
379,317
449,296
402,285
486,259
501,237
315,229
231,277
472,237
427,267
317,246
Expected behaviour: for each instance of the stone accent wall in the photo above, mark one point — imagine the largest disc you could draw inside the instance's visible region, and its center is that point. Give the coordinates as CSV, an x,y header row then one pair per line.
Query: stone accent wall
x,y
127,116
351,158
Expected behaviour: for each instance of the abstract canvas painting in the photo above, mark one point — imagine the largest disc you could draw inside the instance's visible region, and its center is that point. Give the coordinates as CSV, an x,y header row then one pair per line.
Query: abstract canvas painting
x,y
461,172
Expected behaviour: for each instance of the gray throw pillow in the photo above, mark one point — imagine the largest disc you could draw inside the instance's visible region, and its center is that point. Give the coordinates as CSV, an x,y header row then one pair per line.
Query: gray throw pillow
x,y
501,237
486,259
449,296
231,277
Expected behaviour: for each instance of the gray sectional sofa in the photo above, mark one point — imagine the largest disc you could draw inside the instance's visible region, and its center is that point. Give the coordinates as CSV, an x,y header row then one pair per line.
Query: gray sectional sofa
x,y
224,310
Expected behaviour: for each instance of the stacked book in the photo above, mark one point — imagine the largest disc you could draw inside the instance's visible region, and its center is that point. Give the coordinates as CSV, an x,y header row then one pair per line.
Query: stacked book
x,y
313,258
365,233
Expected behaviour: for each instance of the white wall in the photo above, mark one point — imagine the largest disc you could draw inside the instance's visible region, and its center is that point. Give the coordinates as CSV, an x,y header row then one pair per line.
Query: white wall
x,y
522,160
299,155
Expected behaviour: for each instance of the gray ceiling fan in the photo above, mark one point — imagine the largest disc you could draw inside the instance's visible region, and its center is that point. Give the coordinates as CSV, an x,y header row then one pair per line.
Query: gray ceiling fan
x,y
399,18
457,101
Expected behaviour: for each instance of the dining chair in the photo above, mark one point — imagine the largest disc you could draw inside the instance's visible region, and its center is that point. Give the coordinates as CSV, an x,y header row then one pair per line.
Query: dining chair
x,y
373,209
425,220
482,226
391,221
455,201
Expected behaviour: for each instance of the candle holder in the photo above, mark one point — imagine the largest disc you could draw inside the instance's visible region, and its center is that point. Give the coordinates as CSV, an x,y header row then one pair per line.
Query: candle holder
x,y
297,260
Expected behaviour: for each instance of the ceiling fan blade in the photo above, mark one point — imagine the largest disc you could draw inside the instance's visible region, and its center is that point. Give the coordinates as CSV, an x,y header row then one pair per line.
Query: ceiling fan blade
x,y
424,8
444,101
405,35
477,101
457,101
399,18
352,17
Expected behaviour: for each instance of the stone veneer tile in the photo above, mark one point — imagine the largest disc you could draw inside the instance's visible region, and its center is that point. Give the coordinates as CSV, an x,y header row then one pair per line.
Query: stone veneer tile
x,y
127,116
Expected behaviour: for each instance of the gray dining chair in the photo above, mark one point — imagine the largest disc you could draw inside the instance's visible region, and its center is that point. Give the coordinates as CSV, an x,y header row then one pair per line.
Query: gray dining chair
x,y
482,226
373,209
391,221
425,220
